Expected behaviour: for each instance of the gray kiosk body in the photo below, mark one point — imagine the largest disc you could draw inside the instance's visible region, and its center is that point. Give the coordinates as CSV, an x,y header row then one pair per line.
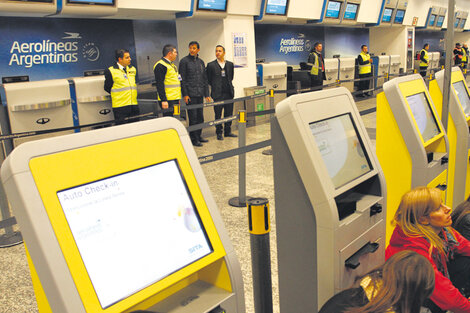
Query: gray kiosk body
x,y
330,198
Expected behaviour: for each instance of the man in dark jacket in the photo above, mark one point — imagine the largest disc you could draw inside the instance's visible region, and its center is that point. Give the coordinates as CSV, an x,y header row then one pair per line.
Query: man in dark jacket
x,y
219,77
315,60
194,88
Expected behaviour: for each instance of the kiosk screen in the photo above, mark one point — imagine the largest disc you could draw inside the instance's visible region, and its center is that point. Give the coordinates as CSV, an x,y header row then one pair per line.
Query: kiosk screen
x,y
387,17
135,228
333,9
212,5
423,116
440,21
463,96
102,2
351,11
432,20
399,16
341,149
276,7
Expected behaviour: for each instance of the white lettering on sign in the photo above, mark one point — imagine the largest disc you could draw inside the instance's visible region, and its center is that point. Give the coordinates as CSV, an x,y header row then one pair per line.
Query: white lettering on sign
x,y
291,45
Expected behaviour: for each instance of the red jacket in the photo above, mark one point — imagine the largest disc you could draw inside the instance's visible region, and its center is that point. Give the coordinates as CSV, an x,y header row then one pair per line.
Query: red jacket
x,y
445,295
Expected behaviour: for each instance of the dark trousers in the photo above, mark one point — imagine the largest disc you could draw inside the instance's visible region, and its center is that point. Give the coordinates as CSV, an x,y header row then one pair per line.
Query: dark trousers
x,y
126,111
169,111
316,81
228,111
423,70
364,84
195,116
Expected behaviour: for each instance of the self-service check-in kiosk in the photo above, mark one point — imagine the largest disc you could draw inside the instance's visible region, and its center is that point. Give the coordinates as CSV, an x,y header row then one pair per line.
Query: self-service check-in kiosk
x,y
39,105
346,72
383,69
273,75
395,65
457,133
93,103
331,70
330,198
411,143
105,235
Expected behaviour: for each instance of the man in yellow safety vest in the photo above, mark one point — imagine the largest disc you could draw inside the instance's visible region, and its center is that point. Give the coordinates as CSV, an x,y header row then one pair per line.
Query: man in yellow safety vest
x,y
365,69
424,60
120,83
168,80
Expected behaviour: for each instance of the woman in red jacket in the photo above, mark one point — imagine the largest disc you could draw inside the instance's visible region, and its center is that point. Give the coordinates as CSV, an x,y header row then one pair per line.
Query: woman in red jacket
x,y
423,224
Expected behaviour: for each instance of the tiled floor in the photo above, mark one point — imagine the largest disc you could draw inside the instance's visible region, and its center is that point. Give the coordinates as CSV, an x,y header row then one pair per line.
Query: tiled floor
x,y
16,292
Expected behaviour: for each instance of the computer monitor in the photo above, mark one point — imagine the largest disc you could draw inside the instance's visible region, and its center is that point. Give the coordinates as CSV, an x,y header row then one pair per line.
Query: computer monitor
x,y
464,98
332,11
457,22
98,2
432,20
276,7
212,5
399,17
42,1
423,116
440,21
351,11
387,17
462,22
341,149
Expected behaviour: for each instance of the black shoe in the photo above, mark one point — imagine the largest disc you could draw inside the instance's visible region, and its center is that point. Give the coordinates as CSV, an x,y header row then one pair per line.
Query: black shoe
x,y
230,135
219,137
197,144
203,139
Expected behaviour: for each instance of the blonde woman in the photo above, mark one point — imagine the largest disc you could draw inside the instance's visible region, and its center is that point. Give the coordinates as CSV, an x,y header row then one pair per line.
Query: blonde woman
x,y
423,224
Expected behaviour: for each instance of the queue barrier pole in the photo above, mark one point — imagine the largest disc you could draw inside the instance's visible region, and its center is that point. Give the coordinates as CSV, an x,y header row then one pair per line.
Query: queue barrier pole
x,y
271,106
10,237
260,226
240,201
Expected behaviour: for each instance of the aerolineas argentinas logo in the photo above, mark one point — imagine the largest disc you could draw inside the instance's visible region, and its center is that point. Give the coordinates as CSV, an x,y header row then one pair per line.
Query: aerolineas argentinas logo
x,y
29,54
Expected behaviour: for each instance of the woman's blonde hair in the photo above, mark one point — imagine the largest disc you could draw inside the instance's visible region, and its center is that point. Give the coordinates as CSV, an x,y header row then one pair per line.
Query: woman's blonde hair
x,y
415,204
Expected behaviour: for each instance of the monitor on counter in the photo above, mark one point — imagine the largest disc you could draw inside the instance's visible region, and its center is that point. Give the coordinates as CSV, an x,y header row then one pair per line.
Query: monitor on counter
x,y
399,17
457,23
432,20
464,98
212,5
276,7
97,213
351,11
387,17
333,9
423,116
341,149
440,21
462,22
97,2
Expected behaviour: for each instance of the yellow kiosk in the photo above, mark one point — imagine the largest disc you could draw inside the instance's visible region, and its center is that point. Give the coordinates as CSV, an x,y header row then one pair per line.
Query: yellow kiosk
x,y
122,219
457,132
411,143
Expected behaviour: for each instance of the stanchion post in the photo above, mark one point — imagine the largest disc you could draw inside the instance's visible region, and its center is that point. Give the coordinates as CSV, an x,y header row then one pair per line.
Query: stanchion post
x,y
271,106
240,201
10,238
260,226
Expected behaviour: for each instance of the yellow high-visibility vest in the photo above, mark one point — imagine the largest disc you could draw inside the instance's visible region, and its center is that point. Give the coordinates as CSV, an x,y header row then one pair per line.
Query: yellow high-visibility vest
x,y
365,68
316,66
124,90
172,82
425,58
464,57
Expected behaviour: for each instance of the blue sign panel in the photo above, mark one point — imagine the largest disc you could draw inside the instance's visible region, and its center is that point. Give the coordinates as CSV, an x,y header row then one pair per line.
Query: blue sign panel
x,y
399,16
277,7
212,5
333,9
61,48
351,11
387,17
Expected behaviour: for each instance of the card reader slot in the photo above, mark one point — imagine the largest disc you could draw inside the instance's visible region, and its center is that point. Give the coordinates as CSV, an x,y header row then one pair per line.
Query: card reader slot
x,y
353,261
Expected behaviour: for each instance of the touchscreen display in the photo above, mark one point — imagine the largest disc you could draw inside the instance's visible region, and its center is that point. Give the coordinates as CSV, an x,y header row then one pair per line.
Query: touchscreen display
x,y
399,17
341,149
212,5
134,229
423,116
440,21
387,17
333,9
277,7
463,96
351,11
432,20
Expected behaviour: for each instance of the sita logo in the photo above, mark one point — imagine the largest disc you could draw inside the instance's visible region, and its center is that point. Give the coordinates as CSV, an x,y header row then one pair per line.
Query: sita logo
x,y
90,52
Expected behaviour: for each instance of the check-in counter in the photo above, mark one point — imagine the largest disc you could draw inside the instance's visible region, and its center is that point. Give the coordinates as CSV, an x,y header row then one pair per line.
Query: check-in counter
x,y
383,68
93,103
273,75
346,72
39,105
395,65
331,70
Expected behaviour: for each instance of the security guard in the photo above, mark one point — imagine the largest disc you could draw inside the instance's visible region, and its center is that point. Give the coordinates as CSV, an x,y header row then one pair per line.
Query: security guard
x,y
365,69
315,60
120,83
424,60
465,56
168,80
